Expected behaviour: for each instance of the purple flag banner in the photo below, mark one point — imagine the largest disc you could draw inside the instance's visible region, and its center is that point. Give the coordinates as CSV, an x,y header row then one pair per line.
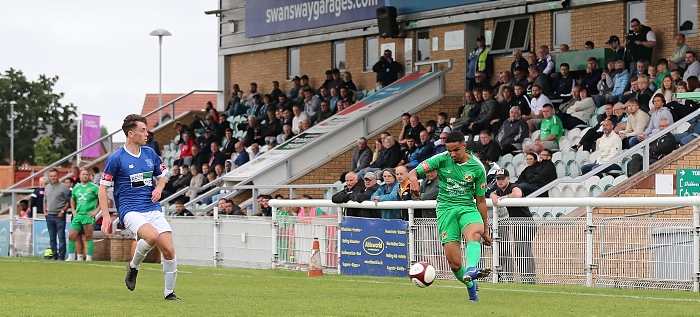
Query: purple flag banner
x,y
91,133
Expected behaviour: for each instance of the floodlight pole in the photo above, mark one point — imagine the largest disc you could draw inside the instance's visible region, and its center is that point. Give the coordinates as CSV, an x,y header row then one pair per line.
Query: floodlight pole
x,y
12,133
160,33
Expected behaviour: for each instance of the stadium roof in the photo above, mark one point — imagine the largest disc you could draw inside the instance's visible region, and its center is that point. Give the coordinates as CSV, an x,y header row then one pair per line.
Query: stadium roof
x,y
194,102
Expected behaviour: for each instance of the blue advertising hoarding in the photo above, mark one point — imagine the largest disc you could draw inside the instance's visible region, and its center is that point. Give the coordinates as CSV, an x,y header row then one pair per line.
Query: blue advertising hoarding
x,y
376,247
4,238
42,241
265,17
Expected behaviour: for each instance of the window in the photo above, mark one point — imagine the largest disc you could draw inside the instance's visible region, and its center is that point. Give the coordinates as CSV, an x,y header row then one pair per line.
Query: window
x,y
636,9
371,52
511,34
562,28
422,45
688,17
339,55
294,62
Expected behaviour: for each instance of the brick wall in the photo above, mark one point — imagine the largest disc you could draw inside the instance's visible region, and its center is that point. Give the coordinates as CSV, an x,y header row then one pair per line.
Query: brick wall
x,y
455,80
260,67
596,23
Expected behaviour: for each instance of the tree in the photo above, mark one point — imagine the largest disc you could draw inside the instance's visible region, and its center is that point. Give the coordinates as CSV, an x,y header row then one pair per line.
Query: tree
x,y
38,113
42,154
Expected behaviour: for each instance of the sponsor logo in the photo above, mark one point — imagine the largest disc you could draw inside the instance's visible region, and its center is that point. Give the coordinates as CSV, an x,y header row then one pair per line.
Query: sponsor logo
x,y
373,245
131,165
425,166
163,167
106,177
483,185
443,235
468,177
149,162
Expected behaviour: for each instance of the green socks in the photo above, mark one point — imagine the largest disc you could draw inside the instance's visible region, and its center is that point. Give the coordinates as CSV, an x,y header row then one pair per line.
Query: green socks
x,y
90,247
473,253
71,247
460,274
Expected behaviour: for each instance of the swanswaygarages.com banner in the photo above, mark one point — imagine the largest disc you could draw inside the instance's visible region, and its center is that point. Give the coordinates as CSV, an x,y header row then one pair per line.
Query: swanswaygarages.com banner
x,y
265,17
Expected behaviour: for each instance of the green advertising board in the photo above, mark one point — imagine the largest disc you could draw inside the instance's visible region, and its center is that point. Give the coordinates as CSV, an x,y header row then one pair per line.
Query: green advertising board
x,y
688,182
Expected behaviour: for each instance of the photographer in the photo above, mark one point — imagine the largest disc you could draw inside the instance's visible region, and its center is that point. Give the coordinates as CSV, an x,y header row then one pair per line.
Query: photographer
x,y
640,41
387,69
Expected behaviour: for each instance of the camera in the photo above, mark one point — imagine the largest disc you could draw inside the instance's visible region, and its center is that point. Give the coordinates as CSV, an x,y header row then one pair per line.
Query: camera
x,y
630,37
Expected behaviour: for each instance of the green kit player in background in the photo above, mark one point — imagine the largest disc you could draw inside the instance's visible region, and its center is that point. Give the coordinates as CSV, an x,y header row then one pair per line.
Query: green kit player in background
x,y
84,204
461,178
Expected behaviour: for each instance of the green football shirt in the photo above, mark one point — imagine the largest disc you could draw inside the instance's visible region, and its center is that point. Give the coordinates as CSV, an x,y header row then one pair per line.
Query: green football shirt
x,y
85,198
458,183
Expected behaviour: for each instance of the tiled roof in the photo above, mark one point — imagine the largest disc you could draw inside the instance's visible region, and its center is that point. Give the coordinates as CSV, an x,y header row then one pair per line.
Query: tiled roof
x,y
190,103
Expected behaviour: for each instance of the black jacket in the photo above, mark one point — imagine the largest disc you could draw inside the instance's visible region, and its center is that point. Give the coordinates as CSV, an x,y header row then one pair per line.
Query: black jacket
x,y
348,194
662,146
490,151
387,72
545,173
388,157
366,195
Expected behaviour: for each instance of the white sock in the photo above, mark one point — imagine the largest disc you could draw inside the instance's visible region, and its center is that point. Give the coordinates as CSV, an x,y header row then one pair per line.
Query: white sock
x,y
142,249
71,257
88,258
80,257
170,275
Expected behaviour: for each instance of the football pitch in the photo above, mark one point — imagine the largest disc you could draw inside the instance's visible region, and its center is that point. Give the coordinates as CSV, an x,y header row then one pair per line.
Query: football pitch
x,y
38,287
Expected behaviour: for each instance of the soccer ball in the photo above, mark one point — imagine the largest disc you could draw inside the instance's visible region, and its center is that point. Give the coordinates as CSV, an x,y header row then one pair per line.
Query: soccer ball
x,y
422,274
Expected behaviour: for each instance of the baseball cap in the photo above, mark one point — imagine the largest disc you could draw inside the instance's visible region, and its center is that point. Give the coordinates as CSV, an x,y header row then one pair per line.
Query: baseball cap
x,y
613,38
296,78
370,176
480,38
502,173
304,77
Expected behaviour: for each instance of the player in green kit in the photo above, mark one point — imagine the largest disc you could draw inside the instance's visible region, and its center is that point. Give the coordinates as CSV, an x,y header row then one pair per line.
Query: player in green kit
x,y
461,178
84,204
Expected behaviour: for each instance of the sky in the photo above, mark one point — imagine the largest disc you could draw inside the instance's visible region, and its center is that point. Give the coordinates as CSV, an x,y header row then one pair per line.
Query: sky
x,y
102,51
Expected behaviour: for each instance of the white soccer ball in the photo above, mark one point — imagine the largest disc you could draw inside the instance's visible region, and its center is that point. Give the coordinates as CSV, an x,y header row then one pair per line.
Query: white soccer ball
x,y
422,274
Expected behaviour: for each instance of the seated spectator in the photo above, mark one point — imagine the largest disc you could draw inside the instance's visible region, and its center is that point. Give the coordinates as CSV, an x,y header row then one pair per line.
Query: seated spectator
x,y
181,211
683,108
197,124
229,143
441,147
183,181
551,130
284,136
463,114
620,112
219,170
520,77
408,150
240,108
388,192
389,157
609,145
507,101
276,91
659,111
676,76
693,66
216,157
481,81
170,188
361,156
298,116
334,98
349,192
413,128
644,93
513,132
542,173
304,125
233,100
637,122
442,125
653,73
521,99
677,59
579,112
505,79
489,151
347,81
661,71
377,148
488,111
428,191
589,139
370,187
642,68
255,150
658,149
198,158
243,156
423,151
324,113
667,91
563,86
257,108
537,103
346,94
186,149
152,143
634,89
518,61
312,103
270,128
592,76
283,102
620,81
204,141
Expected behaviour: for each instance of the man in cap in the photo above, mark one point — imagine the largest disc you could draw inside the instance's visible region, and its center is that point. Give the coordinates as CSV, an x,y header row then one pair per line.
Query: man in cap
x,y
370,186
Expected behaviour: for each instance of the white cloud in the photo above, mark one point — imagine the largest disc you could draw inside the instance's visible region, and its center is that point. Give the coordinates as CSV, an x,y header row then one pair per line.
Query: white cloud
x,y
102,51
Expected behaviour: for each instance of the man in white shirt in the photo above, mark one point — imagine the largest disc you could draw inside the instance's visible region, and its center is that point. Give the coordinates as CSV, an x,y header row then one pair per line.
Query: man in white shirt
x,y
609,146
536,103
693,66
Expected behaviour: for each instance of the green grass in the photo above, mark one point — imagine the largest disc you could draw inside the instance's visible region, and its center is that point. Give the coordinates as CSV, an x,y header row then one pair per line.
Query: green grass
x,y
37,287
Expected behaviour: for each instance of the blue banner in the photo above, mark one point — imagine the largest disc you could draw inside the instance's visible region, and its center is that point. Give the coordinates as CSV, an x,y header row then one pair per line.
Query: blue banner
x,y
4,238
265,17
376,247
412,6
42,241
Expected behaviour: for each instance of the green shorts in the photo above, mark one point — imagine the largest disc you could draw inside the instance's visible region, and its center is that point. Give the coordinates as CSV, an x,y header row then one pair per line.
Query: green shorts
x,y
451,222
81,220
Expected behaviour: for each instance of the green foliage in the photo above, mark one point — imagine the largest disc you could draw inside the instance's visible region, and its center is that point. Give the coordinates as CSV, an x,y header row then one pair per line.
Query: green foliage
x,y
42,154
38,113
37,287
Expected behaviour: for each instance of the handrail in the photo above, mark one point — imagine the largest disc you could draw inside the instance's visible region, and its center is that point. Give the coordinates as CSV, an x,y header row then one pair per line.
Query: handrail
x,y
624,154
433,64
65,158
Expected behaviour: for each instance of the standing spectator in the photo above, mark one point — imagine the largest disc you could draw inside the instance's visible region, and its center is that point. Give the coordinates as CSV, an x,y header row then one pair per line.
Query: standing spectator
x,y
657,150
75,171
387,69
620,52
641,41
609,145
243,156
349,192
523,234
677,59
152,143
361,156
428,191
55,207
388,192
513,132
370,187
540,79
479,61
326,83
